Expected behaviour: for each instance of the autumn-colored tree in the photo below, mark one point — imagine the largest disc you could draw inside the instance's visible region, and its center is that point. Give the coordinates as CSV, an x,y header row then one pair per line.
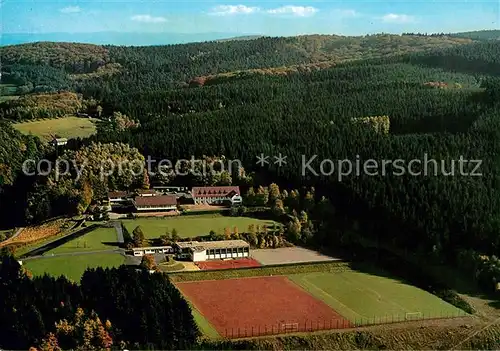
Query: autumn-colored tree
x,y
148,262
294,229
50,343
145,180
274,194
235,234
86,195
82,332
278,208
252,235
262,197
138,237
250,197
227,233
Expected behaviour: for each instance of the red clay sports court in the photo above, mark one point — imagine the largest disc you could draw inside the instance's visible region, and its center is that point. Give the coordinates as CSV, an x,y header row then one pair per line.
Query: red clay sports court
x,y
228,264
259,306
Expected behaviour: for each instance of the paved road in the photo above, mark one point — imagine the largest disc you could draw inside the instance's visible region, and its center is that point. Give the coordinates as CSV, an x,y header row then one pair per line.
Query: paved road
x,y
78,253
119,232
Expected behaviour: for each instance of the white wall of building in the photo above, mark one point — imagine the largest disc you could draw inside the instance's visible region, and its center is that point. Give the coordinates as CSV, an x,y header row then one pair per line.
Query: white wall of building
x,y
200,256
164,208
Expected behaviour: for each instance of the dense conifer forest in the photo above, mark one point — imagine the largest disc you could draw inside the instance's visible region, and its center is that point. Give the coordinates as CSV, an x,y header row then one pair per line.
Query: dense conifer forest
x,y
302,97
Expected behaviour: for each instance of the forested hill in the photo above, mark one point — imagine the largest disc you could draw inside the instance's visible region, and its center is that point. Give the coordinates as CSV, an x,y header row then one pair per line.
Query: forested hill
x,y
180,63
385,98
479,35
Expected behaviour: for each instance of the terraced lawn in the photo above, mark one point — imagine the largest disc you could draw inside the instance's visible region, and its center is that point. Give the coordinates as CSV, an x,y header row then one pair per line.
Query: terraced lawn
x,y
192,226
72,266
99,239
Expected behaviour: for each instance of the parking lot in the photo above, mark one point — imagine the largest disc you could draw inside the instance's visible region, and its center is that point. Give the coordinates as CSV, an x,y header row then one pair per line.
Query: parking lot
x,y
288,255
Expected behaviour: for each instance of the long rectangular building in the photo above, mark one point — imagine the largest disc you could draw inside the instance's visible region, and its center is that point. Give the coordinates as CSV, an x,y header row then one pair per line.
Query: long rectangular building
x,y
197,251
141,251
155,203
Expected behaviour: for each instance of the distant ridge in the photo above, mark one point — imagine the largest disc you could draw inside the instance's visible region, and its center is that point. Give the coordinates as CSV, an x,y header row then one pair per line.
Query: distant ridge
x,y
125,39
245,37
493,34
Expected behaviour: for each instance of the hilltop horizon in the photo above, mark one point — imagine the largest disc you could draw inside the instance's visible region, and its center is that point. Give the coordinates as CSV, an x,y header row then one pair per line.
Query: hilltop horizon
x,y
172,38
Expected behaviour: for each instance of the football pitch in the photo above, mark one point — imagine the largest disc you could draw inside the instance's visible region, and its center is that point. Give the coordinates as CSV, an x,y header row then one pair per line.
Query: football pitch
x,y
371,299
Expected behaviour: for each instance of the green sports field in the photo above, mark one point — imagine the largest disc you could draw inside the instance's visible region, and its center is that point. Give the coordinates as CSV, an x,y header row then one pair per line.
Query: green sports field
x,y
365,298
99,239
72,266
67,127
192,226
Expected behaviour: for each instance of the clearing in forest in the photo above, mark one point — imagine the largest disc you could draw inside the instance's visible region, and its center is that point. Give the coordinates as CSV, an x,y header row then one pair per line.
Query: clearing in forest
x,y
67,127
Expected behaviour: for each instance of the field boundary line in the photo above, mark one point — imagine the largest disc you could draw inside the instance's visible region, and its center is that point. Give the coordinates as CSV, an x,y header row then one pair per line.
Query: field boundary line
x,y
363,288
314,286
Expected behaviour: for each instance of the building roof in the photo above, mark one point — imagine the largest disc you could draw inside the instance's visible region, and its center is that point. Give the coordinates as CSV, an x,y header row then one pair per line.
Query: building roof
x,y
117,194
162,200
151,248
215,191
205,245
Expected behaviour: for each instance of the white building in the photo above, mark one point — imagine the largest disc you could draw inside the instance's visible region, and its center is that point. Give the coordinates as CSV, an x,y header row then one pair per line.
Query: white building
x,y
59,141
117,197
216,195
141,251
197,251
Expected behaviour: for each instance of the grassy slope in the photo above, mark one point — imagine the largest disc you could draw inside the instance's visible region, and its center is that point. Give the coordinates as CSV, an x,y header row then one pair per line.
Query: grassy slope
x,y
68,127
367,299
205,327
72,266
408,337
92,241
191,226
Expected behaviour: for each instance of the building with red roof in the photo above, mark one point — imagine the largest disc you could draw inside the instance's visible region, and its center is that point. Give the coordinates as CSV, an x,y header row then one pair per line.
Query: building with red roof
x,y
216,195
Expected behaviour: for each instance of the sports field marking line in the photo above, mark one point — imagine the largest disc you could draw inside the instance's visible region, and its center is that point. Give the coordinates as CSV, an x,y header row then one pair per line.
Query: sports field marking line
x,y
381,297
310,284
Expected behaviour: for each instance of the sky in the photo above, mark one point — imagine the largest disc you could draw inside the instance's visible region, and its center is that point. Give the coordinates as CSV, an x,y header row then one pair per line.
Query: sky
x,y
270,17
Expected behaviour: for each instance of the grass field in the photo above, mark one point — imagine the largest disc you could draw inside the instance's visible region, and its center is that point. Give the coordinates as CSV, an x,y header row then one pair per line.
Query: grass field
x,y
192,226
95,240
72,266
67,127
206,328
365,298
